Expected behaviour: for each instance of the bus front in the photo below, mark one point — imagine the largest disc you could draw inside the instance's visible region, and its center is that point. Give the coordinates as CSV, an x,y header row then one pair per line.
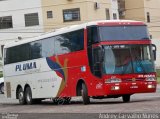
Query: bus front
x,y
126,58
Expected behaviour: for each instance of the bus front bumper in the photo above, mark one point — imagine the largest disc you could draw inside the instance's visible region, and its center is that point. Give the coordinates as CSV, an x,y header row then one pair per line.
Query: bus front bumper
x,y
130,88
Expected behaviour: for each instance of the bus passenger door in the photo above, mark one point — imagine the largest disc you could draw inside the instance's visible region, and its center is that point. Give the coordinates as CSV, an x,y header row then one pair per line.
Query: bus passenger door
x,y
97,70
97,62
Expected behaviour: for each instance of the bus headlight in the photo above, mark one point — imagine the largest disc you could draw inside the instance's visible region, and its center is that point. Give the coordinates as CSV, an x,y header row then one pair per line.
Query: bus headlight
x,y
113,80
151,86
150,79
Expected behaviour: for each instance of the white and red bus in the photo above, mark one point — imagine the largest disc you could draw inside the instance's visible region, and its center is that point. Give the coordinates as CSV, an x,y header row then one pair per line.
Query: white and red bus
x,y
101,59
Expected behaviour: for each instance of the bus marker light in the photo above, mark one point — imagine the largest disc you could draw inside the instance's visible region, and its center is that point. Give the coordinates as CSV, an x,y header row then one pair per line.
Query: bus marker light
x,y
83,69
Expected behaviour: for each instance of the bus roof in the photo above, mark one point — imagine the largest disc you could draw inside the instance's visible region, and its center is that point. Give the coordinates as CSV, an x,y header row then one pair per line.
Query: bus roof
x,y
73,28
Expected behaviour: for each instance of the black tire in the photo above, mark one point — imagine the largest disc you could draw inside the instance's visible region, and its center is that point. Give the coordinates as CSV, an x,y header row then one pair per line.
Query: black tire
x,y
28,96
61,101
84,93
126,98
21,96
67,100
2,88
55,100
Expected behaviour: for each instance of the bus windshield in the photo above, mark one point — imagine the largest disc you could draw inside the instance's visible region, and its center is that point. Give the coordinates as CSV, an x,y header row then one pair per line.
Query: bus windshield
x,y
123,33
126,59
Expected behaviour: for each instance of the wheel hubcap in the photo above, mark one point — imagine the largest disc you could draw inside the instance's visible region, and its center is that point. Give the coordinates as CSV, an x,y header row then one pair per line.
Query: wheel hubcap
x,y
28,97
21,96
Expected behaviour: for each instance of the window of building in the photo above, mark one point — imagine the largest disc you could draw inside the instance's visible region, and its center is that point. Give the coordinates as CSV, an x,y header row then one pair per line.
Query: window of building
x,y
49,14
71,15
107,14
148,17
6,22
114,16
31,19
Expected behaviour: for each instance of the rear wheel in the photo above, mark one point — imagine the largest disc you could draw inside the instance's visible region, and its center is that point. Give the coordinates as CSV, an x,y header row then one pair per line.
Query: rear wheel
x,y
28,96
21,97
84,93
2,88
126,98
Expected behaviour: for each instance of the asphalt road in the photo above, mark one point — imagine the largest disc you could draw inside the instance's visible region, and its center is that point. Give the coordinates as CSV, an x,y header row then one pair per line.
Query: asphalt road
x,y
140,103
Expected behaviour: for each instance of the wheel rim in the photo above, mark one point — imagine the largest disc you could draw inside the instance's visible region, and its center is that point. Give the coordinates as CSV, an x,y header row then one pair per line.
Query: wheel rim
x,y
21,96
28,97
82,92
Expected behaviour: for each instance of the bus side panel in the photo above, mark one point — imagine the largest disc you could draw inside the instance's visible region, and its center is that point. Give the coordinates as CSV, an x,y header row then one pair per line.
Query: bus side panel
x,y
44,82
55,76
73,69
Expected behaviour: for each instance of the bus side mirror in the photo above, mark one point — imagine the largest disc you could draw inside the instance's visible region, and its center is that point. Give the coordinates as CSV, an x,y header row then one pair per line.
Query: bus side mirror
x,y
150,36
154,51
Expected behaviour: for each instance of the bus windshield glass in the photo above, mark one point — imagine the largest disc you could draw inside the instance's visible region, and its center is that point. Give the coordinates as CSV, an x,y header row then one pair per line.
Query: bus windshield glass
x,y
123,33
127,59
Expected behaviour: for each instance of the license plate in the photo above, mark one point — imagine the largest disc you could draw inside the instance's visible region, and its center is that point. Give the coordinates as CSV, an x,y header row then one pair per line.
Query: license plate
x,y
134,87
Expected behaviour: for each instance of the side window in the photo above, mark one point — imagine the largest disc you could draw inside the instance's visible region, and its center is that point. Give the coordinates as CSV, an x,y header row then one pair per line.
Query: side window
x,y
14,54
21,53
62,44
36,48
76,40
69,42
8,57
17,54
48,47
27,51
92,35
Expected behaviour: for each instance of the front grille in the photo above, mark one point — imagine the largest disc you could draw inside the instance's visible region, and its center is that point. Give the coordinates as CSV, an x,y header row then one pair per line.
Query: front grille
x,y
133,79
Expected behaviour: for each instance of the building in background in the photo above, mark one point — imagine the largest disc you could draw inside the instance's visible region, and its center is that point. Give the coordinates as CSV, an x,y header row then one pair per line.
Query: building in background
x,y
60,13
19,19
147,11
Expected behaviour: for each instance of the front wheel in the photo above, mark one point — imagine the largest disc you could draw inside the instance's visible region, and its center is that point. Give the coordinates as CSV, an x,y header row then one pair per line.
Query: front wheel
x,y
84,93
28,96
126,98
